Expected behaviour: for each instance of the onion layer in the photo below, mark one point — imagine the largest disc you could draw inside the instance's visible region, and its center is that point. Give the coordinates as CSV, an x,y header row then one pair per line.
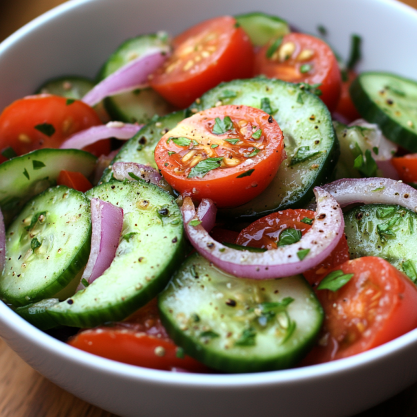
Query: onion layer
x,y
206,212
92,135
289,260
372,191
130,170
107,223
129,77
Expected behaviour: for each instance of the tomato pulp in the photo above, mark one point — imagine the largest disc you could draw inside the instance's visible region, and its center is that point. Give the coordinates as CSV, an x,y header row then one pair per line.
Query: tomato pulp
x,y
45,121
300,58
228,154
211,52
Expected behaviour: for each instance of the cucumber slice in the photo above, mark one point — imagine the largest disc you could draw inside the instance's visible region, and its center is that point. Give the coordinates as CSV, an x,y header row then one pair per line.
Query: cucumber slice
x,y
386,231
46,246
262,27
239,325
150,249
37,314
68,86
142,104
390,101
305,122
141,147
25,176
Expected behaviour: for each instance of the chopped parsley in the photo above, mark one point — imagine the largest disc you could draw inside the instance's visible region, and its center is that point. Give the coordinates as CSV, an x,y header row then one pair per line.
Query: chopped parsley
x,y
35,244
228,94
308,221
273,48
209,334
46,128
303,153
355,51
253,153
334,281
171,153
302,253
248,338
385,212
26,174
69,101
204,167
85,282
305,68
181,141
37,164
266,105
311,88
409,270
134,176
365,164
288,237
247,173
256,135
214,146
9,152
322,30
222,126
232,141
195,222
128,236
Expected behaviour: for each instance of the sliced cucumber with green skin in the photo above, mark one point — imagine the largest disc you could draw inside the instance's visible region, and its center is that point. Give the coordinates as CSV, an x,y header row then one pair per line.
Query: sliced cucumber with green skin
x,y
141,147
386,231
25,176
37,314
390,101
151,248
262,27
142,104
239,325
68,86
305,122
46,246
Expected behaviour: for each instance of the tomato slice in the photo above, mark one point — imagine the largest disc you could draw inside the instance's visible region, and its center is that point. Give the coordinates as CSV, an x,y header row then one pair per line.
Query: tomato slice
x,y
228,154
302,58
140,340
211,52
345,107
406,167
45,121
265,233
74,180
377,305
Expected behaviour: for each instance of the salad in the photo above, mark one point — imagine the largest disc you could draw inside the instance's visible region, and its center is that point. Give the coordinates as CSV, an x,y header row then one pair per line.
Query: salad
x,y
214,239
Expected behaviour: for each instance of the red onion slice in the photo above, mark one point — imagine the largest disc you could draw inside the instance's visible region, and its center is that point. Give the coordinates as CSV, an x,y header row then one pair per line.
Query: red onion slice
x,y
131,76
320,240
118,130
107,223
2,242
388,170
372,191
207,212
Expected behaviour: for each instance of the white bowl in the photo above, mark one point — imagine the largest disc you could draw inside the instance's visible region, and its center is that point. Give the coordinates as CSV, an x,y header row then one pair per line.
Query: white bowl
x,y
76,38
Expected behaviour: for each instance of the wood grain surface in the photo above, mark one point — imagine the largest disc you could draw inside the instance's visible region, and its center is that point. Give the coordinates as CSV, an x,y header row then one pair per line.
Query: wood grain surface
x,y
25,393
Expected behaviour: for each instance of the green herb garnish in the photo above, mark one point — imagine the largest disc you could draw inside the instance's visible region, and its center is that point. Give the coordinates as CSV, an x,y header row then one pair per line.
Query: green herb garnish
x,y
302,253
322,30
35,244
69,101
334,281
385,212
365,164
232,141
85,282
308,221
266,105
253,153
376,150
409,270
241,247
300,99
303,153
9,153
26,174
134,176
214,146
228,94
181,141
128,236
205,166
289,236
209,334
305,68
256,135
247,173
273,48
171,153
46,128
248,338
355,51
37,164
195,222
222,126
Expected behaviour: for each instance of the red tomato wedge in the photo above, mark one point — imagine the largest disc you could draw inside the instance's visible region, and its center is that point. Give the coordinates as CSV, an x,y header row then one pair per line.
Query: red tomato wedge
x,y
301,58
406,167
377,305
345,107
74,180
228,154
45,121
265,233
139,340
211,52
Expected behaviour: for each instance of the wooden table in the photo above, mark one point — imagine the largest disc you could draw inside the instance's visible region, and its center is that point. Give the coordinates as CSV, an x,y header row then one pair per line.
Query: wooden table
x,y
25,393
